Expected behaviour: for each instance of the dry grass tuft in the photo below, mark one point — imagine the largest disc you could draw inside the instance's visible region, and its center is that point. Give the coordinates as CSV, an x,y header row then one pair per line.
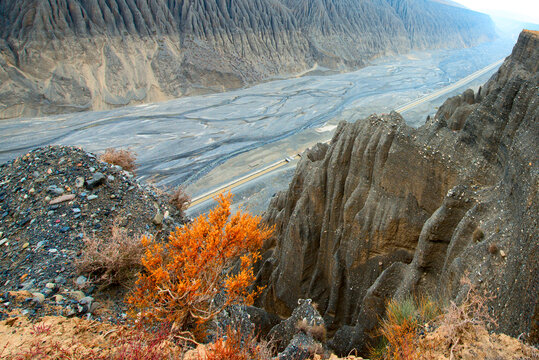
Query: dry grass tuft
x,y
179,199
493,249
124,158
478,235
318,332
459,319
111,261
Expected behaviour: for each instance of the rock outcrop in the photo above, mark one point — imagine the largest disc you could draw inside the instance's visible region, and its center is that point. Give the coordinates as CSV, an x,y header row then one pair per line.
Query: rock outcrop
x,y
65,56
385,210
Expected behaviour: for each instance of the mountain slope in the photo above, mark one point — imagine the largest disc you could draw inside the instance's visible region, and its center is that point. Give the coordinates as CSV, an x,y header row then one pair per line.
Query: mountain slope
x,y
71,55
386,210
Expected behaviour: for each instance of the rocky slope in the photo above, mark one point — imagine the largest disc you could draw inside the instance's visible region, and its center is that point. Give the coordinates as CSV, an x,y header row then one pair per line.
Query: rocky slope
x,y
51,199
385,210
63,56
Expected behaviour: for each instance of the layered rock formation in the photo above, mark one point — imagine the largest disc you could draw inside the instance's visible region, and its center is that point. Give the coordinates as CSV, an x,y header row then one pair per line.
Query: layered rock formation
x,y
71,55
385,210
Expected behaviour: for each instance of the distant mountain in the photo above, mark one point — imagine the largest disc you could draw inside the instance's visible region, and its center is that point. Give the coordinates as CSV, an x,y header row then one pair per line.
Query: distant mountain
x,y
72,55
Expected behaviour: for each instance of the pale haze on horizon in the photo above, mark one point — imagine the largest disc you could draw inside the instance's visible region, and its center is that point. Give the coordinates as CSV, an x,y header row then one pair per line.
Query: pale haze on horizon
x,y
523,10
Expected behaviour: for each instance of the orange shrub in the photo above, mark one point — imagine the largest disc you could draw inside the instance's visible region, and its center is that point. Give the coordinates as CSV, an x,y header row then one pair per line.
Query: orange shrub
x,y
183,277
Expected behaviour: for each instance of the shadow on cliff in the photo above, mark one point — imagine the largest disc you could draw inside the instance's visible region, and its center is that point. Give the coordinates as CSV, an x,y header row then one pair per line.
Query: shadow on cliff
x,y
385,211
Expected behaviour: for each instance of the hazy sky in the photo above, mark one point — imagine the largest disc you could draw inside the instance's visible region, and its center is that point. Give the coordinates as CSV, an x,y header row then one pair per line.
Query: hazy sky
x,y
524,10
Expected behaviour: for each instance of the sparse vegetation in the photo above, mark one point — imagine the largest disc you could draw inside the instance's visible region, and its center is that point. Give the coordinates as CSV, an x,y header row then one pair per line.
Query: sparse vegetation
x,y
123,344
318,332
124,158
113,260
237,346
493,249
399,330
458,320
182,279
478,235
179,199
403,331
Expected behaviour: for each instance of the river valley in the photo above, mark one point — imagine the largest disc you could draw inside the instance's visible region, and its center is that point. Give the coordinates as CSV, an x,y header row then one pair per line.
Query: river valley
x,y
197,141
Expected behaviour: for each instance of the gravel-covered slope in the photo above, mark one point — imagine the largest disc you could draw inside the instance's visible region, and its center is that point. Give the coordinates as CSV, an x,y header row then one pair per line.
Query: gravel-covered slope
x,y
53,197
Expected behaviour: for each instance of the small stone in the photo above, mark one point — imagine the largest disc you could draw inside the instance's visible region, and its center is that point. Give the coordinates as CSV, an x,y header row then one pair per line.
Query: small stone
x,y
70,311
77,295
158,219
111,178
3,241
92,169
79,182
65,229
76,210
32,190
25,245
502,253
38,297
48,292
87,300
62,199
59,280
92,197
81,280
50,285
55,190
23,222
58,298
94,306
96,180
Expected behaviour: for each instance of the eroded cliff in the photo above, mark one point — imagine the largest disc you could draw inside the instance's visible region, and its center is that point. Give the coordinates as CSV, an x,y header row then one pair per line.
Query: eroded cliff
x,y
385,210
63,56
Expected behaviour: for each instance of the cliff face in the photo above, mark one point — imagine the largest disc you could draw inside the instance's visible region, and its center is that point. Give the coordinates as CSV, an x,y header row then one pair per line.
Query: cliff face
x,y
385,210
60,56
